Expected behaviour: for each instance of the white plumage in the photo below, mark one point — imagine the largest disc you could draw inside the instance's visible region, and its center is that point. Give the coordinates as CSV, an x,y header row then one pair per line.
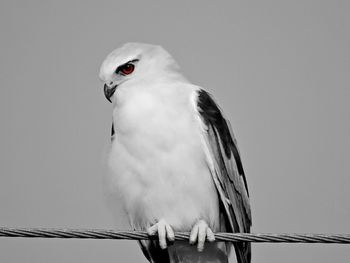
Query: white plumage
x,y
160,160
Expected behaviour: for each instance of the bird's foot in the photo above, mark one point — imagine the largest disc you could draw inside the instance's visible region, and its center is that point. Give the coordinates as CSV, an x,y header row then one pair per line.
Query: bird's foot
x,y
199,233
164,231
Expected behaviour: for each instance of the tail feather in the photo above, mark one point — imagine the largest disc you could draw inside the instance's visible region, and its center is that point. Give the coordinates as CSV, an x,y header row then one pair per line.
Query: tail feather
x,y
182,252
243,252
153,252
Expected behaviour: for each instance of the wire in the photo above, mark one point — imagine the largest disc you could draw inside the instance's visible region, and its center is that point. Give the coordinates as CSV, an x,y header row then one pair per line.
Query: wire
x,y
142,235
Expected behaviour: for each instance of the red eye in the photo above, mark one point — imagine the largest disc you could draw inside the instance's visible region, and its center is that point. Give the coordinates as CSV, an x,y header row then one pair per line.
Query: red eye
x,y
127,69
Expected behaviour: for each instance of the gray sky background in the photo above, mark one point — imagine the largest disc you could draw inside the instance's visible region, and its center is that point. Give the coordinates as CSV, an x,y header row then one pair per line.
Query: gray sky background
x,y
279,69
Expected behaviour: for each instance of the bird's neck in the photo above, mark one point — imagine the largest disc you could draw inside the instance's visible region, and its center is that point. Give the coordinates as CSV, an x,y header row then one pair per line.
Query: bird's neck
x,y
149,104
158,87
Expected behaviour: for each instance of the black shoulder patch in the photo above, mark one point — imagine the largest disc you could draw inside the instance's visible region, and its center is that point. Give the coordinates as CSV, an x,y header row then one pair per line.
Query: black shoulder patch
x,y
212,115
112,131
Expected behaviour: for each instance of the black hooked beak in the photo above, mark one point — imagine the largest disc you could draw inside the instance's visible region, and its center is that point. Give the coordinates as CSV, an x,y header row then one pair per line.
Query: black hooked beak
x,y
109,92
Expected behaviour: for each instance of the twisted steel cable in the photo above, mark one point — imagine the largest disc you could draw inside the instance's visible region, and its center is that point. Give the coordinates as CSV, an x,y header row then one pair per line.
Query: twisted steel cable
x,y
139,235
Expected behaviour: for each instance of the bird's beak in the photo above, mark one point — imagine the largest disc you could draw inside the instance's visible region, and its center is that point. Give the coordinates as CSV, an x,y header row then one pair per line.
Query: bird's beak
x,y
109,91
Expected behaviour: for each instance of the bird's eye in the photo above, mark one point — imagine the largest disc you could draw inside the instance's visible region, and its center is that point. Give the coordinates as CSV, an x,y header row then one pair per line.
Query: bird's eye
x,y
126,69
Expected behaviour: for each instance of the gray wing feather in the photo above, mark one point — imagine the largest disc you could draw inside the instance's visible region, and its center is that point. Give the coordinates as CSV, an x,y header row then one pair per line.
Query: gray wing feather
x,y
227,171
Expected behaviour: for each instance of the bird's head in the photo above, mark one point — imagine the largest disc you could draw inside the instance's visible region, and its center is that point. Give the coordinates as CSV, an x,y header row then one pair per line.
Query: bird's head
x,y
132,62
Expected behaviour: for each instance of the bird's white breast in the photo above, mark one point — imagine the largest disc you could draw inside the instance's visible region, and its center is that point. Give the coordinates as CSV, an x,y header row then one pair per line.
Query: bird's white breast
x,y
157,160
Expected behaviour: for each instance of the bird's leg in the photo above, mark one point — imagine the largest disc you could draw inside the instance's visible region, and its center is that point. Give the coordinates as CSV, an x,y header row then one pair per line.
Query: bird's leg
x,y
164,231
199,233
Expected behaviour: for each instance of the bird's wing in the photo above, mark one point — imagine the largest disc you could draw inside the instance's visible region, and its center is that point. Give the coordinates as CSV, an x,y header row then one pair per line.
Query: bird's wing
x,y
226,168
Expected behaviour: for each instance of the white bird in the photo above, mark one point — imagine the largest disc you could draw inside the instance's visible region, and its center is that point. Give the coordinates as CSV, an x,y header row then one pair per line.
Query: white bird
x,y
174,161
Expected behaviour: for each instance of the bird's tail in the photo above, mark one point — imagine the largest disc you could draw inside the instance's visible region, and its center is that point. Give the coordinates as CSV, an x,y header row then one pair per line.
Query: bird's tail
x,y
215,252
243,251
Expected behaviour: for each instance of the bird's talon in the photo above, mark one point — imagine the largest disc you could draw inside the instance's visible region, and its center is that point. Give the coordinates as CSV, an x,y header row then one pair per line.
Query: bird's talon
x,y
164,231
199,233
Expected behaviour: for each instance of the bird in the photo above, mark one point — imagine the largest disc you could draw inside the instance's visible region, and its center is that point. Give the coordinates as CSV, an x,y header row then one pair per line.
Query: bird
x,y
174,162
